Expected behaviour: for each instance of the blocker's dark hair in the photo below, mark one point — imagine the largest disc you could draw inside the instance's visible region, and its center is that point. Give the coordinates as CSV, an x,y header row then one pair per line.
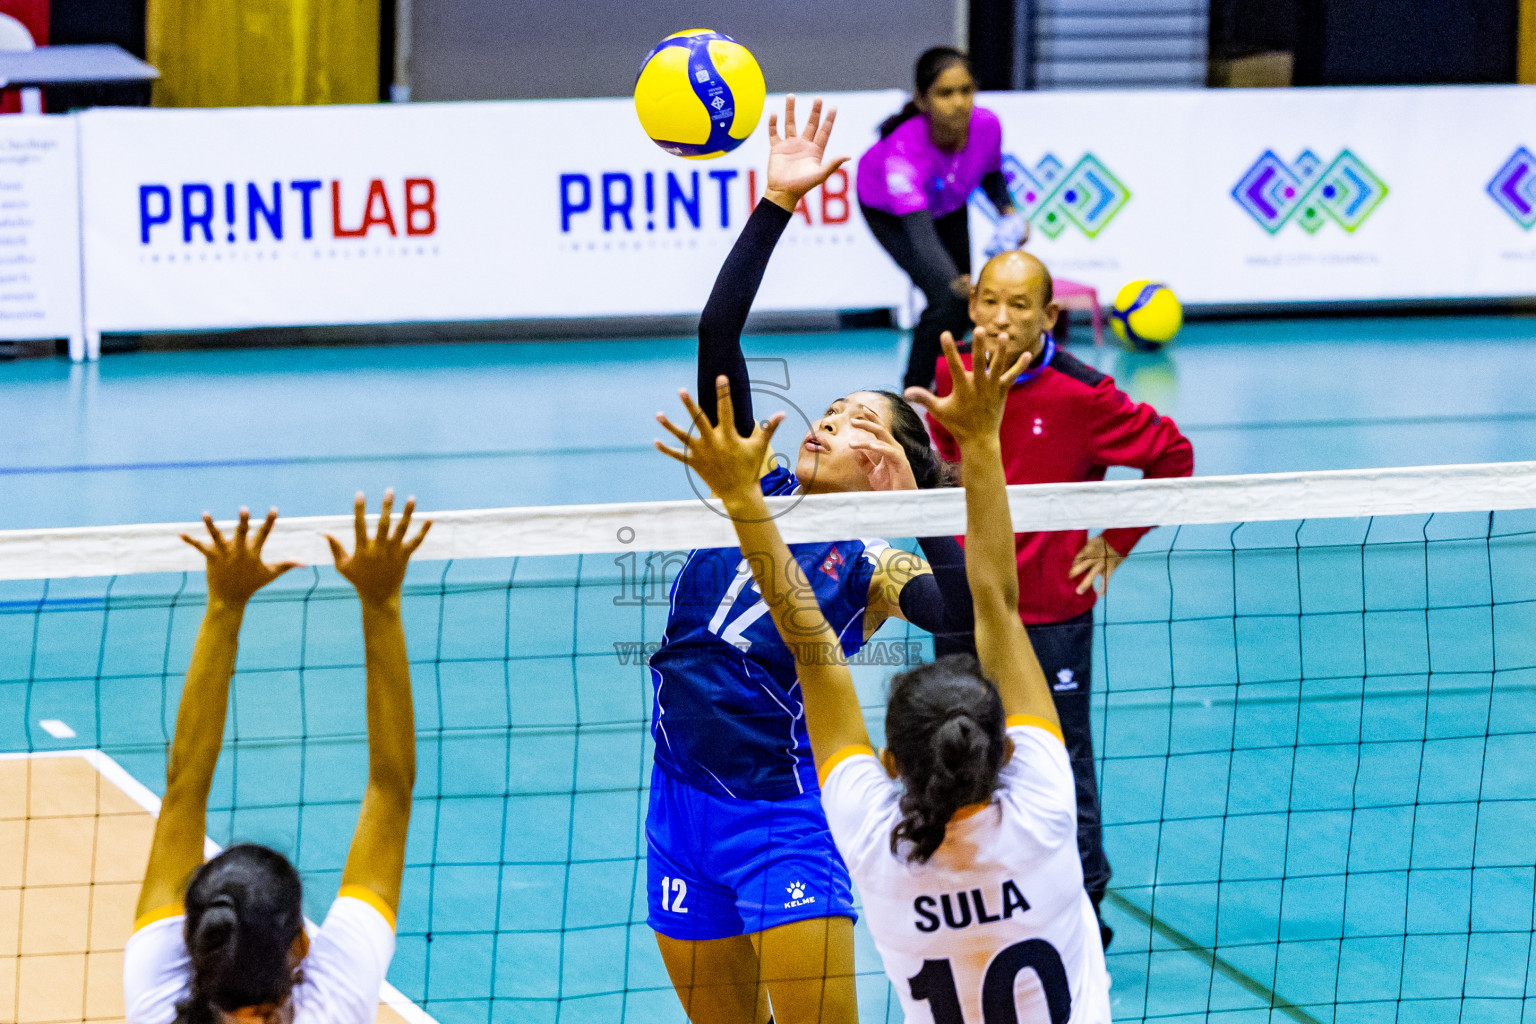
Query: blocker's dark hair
x,y
929,468
945,726
930,66
244,911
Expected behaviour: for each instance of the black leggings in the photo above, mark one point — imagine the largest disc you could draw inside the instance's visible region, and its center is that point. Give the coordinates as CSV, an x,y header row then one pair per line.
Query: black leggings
x,y
1065,650
934,276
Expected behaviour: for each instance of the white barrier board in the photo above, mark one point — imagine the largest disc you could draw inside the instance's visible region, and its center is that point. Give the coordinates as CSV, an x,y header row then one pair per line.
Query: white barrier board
x,y
473,211
197,219
39,229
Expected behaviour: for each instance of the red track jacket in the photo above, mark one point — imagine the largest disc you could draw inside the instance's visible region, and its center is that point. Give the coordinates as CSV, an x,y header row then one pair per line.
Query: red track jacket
x,y
1067,422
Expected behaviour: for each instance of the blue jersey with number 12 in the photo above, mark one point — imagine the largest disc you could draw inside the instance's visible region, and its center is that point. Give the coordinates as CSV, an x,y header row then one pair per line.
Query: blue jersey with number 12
x,y
728,717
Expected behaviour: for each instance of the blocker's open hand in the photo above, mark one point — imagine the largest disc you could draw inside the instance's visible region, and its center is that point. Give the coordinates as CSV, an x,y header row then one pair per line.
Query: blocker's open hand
x,y
376,566
235,568
730,464
796,162
973,410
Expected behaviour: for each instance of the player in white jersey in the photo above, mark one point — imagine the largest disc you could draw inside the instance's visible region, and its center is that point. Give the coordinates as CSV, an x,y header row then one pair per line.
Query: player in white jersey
x,y
961,835
224,942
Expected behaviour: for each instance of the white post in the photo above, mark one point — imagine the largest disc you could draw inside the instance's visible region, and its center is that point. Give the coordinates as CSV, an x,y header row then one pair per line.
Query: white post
x,y
400,86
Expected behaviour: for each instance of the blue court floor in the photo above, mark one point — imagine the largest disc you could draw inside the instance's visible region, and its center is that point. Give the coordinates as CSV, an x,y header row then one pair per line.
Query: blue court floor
x,y
1317,738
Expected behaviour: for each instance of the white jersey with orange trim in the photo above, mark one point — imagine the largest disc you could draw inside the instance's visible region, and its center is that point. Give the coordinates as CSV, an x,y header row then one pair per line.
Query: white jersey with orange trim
x,y
347,960
995,926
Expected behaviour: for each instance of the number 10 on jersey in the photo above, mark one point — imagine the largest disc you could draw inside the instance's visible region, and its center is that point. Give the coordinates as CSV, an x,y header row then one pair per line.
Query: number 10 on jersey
x,y
935,984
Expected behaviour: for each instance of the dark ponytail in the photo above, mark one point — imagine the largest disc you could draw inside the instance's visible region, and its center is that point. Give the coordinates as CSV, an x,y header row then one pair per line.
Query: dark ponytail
x,y
945,727
929,468
930,66
244,911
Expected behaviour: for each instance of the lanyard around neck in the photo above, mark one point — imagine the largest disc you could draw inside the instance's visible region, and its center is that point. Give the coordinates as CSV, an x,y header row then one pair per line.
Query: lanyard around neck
x,y
1046,355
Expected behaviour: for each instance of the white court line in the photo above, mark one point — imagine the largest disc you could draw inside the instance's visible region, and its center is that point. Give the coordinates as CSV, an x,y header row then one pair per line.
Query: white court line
x,y
145,798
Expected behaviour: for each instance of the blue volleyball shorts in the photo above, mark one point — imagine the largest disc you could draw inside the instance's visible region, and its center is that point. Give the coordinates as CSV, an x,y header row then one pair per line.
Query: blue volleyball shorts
x,y
718,867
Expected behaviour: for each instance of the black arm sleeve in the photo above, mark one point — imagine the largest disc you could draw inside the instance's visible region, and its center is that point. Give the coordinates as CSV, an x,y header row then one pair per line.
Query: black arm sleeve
x,y
941,603
725,314
995,185
933,269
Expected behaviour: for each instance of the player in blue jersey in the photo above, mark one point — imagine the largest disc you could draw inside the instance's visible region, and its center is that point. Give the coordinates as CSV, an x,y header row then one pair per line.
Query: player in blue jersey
x,y
751,904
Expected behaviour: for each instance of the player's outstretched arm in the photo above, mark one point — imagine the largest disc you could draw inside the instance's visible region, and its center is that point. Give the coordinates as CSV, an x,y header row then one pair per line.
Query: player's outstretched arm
x,y
729,463
235,572
972,413
376,569
796,164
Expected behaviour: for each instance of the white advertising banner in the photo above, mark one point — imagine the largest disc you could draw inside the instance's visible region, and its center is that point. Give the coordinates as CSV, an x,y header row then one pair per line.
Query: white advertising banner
x,y
1280,195
474,211
206,219
39,229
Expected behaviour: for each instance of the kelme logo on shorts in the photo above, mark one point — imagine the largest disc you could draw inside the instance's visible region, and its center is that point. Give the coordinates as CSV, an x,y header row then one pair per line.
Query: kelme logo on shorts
x,y
797,896
1514,188
1274,192
1054,198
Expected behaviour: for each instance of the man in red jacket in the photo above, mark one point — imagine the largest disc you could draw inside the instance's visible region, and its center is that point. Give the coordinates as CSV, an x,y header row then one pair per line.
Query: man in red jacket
x,y
1064,422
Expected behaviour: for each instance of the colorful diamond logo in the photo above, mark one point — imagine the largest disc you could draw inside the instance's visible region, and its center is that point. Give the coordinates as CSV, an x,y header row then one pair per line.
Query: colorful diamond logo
x,y
1514,188
1274,192
1088,196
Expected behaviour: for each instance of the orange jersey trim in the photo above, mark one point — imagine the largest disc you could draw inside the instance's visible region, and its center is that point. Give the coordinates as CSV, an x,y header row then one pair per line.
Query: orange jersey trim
x,y
969,811
373,899
1038,723
838,758
159,914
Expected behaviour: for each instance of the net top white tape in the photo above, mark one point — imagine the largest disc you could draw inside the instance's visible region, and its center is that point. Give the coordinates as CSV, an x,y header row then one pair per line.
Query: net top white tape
x,y
683,525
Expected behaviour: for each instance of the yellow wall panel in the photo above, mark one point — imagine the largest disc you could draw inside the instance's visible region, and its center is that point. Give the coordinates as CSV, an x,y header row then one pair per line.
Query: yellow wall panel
x,y
1527,74
222,53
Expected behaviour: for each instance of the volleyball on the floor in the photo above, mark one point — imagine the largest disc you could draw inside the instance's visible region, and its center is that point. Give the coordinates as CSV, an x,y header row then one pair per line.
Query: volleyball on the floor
x,y
1146,315
699,94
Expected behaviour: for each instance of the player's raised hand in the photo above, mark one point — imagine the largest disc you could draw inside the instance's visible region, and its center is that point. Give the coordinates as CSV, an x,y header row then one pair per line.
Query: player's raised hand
x,y
235,568
730,464
796,162
973,410
376,566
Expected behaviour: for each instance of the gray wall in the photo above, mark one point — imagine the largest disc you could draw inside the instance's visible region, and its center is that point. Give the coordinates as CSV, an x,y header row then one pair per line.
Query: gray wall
x,y
511,49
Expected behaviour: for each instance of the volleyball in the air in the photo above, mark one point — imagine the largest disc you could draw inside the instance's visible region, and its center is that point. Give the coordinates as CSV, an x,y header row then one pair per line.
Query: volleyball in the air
x,y
1146,315
699,94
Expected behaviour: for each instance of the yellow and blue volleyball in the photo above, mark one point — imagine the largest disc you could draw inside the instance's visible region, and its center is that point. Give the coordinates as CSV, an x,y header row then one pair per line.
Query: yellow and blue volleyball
x,y
1146,315
699,94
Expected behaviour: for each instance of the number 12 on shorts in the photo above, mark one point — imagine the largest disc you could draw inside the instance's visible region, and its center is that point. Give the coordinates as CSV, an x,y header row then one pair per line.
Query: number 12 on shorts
x,y
675,890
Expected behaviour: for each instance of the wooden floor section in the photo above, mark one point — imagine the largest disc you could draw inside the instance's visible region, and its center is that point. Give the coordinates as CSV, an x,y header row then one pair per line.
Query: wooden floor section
x,y
73,846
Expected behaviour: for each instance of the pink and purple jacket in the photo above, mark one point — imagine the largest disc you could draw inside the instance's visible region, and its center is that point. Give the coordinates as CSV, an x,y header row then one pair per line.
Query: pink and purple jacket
x,y
905,172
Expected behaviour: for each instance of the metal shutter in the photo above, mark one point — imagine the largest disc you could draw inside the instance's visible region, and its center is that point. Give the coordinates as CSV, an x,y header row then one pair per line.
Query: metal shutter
x,y
1116,44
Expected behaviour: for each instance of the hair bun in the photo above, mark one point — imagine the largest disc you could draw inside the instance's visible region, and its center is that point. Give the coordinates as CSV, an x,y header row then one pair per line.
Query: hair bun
x,y
955,743
945,726
216,927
